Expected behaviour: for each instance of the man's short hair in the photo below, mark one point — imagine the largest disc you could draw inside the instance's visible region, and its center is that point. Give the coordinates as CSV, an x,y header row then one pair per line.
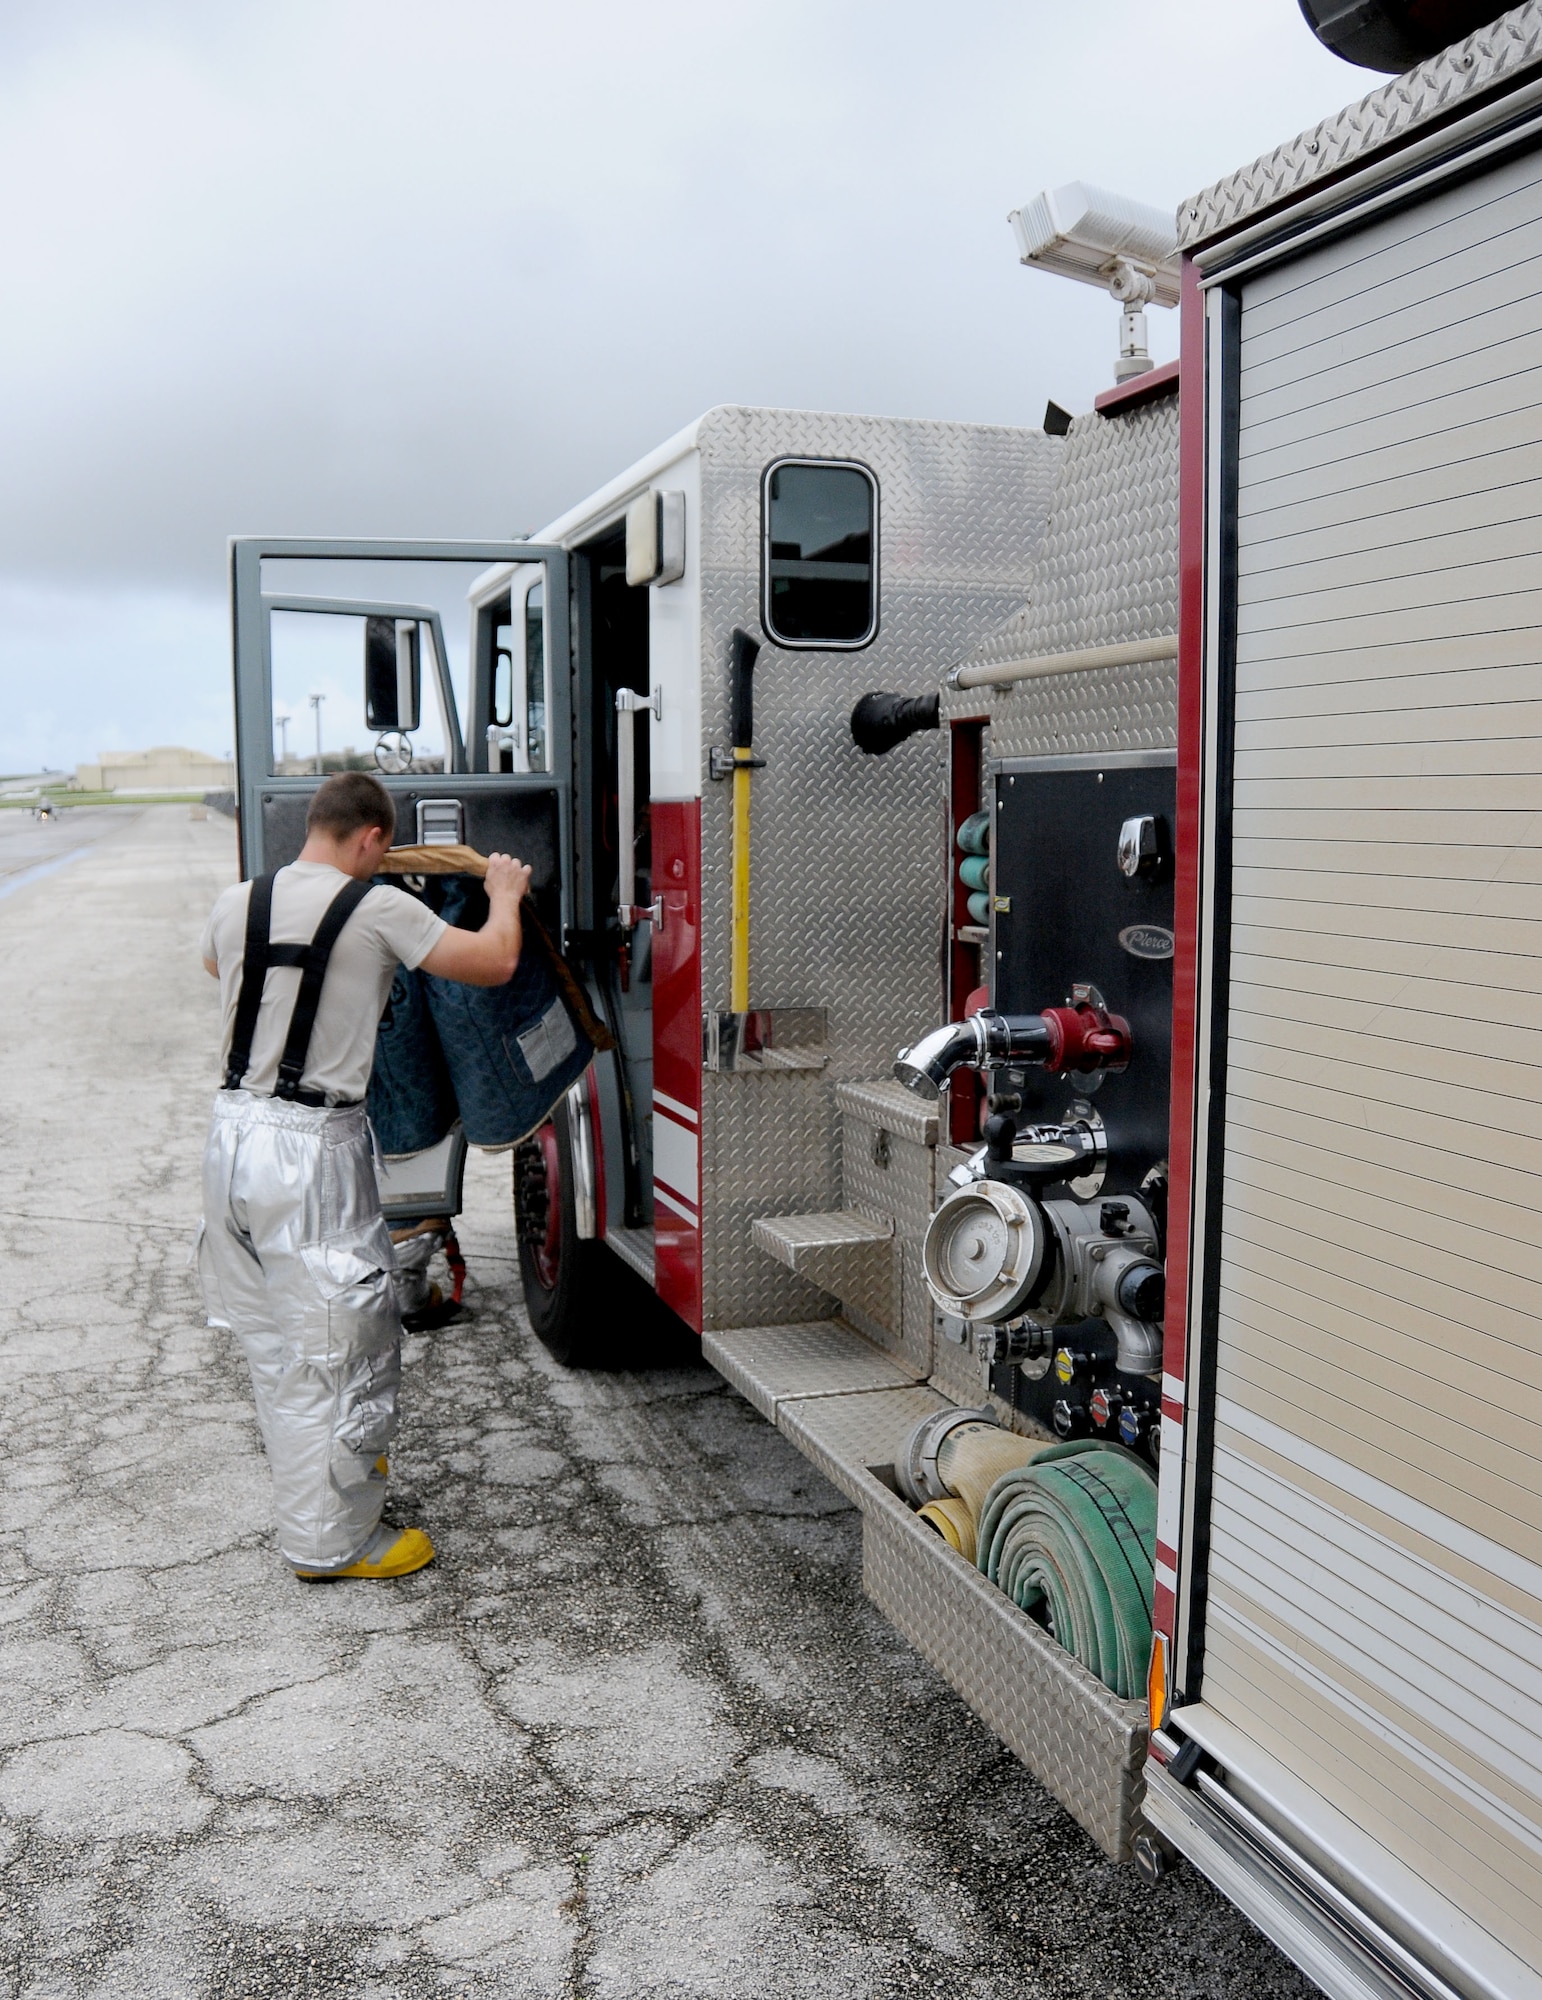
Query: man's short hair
x,y
347,800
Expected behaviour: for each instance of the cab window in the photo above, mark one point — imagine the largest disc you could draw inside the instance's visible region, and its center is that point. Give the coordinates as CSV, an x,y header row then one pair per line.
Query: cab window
x,y
819,564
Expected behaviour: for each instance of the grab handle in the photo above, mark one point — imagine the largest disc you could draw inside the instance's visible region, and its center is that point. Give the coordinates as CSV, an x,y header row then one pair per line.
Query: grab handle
x,y
630,704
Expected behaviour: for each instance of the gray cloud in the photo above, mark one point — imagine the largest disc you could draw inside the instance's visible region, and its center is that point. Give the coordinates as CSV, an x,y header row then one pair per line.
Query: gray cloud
x,y
381,269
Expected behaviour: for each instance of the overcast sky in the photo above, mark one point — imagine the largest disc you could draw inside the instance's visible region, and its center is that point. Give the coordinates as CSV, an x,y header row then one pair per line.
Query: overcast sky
x,y
328,267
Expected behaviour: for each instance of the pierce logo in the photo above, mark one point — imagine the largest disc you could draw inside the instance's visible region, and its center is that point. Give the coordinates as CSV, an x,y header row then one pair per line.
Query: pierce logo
x,y
1147,941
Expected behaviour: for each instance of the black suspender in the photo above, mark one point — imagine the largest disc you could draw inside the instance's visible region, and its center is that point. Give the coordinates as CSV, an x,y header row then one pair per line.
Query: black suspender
x,y
255,961
291,1064
258,955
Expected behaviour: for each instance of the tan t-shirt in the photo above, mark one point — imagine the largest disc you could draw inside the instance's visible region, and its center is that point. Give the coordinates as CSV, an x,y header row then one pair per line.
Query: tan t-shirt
x,y
386,930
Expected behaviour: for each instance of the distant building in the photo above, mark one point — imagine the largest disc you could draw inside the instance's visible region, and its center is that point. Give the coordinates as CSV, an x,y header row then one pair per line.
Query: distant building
x,y
166,769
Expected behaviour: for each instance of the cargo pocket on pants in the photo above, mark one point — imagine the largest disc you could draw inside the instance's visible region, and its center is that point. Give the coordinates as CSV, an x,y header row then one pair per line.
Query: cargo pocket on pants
x,y
354,1276
341,1264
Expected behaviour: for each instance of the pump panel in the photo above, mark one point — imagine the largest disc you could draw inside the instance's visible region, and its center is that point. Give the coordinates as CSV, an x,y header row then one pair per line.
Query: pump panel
x,y
1065,913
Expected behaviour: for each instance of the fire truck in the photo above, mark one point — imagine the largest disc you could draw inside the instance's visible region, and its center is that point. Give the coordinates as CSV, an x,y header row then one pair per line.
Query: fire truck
x,y
707,705
1065,903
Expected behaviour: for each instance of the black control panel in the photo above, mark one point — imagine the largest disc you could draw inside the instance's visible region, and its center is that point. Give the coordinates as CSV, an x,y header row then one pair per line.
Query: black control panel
x,y
1082,898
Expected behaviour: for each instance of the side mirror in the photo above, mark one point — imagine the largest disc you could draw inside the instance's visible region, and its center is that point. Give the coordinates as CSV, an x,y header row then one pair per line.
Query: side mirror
x,y
393,673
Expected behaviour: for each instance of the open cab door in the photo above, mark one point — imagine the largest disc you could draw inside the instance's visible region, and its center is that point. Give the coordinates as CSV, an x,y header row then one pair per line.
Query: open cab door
x,y
358,633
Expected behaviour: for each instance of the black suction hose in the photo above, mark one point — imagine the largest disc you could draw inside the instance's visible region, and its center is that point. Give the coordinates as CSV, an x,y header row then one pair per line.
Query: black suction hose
x,y
880,721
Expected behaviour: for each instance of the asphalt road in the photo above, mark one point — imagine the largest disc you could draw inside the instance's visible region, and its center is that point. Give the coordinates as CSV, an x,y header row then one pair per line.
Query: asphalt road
x,y
31,849
636,1733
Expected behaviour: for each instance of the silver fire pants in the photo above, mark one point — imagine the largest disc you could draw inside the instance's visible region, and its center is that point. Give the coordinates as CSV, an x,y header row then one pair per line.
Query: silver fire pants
x,y
296,1260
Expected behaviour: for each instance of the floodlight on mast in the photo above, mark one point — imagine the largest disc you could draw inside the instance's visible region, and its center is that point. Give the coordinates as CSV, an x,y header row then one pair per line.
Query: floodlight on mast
x,y
1125,247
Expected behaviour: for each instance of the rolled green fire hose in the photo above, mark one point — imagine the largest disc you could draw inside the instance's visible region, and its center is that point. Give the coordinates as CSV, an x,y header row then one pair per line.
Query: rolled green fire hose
x,y
1072,1539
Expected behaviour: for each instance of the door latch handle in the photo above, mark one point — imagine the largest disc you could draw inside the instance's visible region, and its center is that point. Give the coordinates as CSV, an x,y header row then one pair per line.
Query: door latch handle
x,y
642,913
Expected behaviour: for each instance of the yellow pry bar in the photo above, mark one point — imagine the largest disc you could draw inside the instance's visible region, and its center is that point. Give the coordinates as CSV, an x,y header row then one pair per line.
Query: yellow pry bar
x,y
739,955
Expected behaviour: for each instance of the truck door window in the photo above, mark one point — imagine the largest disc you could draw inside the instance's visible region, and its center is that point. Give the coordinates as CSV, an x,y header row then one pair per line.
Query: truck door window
x,y
535,676
819,564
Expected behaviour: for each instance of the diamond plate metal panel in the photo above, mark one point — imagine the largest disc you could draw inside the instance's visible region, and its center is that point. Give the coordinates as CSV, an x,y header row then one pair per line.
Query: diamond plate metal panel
x,y
854,1257
845,1435
1502,53
847,862
768,1148
1116,708
893,1177
792,1238
959,1374
893,1107
1079,1740
888,1176
769,1364
1106,572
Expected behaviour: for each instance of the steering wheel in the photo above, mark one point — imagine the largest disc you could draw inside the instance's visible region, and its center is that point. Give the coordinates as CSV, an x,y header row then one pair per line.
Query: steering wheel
x,y
393,753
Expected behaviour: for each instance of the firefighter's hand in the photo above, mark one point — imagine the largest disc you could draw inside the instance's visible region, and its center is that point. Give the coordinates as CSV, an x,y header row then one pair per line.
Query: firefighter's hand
x,y
507,878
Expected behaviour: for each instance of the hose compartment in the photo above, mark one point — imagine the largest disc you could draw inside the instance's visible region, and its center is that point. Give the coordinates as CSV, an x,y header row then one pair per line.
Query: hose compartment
x,y
1081,1741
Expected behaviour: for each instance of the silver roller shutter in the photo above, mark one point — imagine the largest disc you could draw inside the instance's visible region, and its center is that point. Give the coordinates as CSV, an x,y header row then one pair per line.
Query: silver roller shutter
x,y
1373,1636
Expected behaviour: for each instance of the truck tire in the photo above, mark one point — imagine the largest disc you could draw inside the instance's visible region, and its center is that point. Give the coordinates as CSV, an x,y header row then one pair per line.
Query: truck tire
x,y
569,1283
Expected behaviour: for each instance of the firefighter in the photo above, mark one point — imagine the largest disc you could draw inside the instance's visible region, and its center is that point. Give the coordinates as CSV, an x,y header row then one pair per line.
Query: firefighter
x,y
293,1252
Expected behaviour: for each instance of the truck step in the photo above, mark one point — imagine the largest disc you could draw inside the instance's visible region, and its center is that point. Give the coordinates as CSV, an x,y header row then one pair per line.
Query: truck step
x,y
771,1365
846,1253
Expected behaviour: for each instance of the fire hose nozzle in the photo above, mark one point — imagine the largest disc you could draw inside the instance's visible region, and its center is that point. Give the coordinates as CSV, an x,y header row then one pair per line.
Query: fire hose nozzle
x,y
1080,1039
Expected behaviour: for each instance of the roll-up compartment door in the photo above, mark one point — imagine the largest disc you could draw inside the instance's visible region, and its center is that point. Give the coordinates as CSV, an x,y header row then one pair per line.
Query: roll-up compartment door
x,y
1371,1672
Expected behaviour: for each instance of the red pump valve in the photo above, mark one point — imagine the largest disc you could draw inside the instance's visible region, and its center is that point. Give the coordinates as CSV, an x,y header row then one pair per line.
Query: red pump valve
x,y
1085,1038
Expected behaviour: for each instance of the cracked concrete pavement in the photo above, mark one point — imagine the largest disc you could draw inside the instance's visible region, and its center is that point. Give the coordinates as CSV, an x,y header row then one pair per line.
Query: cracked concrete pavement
x,y
636,1733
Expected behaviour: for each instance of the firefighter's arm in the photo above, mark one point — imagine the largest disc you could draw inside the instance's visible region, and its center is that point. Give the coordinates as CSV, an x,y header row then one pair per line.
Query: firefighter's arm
x,y
486,957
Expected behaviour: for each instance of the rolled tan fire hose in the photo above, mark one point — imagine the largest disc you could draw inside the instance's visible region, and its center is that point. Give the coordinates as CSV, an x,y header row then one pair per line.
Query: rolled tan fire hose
x,y
953,1521
438,860
970,1459
973,1457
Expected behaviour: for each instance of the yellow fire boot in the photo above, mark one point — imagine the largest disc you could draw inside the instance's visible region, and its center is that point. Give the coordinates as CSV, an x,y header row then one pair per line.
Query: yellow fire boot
x,y
389,1552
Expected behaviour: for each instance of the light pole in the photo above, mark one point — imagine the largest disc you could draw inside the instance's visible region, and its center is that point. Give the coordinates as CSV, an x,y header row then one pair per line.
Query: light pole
x,y
282,718
316,700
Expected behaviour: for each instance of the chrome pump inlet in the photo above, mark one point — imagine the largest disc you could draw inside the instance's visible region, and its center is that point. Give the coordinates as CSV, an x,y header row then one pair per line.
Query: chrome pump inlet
x,y
1079,1038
